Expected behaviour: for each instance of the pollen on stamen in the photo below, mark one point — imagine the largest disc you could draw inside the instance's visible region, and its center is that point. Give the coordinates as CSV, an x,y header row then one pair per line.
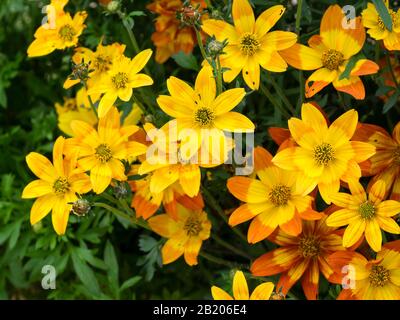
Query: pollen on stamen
x,y
367,210
67,32
249,44
120,80
323,154
193,226
379,276
103,153
204,117
332,59
61,186
280,195
309,246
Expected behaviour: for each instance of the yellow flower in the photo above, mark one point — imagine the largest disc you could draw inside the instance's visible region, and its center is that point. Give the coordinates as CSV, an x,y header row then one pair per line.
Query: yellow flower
x,y
61,33
365,214
57,186
75,109
185,235
101,151
329,54
119,81
241,290
377,279
100,62
324,155
377,29
250,42
204,114
277,198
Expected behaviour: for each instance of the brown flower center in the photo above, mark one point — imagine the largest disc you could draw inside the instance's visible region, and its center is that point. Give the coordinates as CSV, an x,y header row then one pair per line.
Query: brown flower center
x,y
61,186
332,59
323,154
120,80
379,276
67,33
309,246
249,44
103,153
193,226
102,63
367,210
204,117
280,195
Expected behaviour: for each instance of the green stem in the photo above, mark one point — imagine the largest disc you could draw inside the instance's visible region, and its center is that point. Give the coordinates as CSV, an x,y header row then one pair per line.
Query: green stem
x,y
90,100
298,15
217,260
219,76
117,212
389,63
282,95
217,208
341,101
230,247
272,99
201,46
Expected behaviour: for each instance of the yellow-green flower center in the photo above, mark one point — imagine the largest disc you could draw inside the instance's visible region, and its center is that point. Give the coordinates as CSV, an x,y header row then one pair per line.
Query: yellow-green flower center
x,y
379,276
61,186
332,59
103,153
367,210
193,226
280,195
204,117
249,44
309,246
102,63
323,154
67,33
120,80
396,156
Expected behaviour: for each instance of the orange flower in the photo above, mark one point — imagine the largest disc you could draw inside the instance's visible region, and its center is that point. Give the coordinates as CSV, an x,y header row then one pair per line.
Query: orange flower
x,y
329,54
170,37
185,235
385,164
277,198
377,279
302,257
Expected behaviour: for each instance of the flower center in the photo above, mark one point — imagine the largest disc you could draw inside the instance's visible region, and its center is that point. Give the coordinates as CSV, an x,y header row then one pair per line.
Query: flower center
x,y
379,276
309,246
280,195
192,226
61,186
381,24
249,44
67,33
332,59
323,154
367,210
120,80
204,117
102,63
396,156
103,153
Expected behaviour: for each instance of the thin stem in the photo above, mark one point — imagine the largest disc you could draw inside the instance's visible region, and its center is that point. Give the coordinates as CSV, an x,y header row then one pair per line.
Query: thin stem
x,y
230,247
90,100
298,15
201,46
272,99
282,95
217,208
216,260
117,212
219,76
341,101
389,63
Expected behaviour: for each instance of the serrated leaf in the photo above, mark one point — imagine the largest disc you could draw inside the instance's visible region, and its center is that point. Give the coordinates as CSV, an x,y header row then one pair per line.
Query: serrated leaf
x,y
85,274
391,102
186,61
130,283
147,243
384,13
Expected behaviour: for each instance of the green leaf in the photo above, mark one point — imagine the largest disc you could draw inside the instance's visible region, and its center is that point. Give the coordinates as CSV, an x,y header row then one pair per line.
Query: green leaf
x,y
350,66
110,259
130,283
186,61
384,13
85,274
136,14
391,102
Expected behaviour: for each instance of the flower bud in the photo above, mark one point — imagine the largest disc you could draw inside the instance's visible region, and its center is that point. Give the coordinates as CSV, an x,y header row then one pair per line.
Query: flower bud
x,y
81,207
113,6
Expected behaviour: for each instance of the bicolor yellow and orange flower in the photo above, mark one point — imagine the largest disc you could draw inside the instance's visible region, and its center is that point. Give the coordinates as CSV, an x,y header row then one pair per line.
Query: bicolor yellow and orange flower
x,y
251,44
185,234
377,28
120,79
101,151
301,258
59,32
329,54
60,183
100,61
324,155
365,214
170,36
385,164
276,199
202,116
241,290
377,279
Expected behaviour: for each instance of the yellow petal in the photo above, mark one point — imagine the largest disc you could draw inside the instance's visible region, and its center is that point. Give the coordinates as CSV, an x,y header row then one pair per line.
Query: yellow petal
x,y
100,176
263,291
205,86
342,217
182,91
219,294
268,19
189,179
302,57
41,207
221,30
140,60
163,225
234,122
373,235
377,192
37,188
353,233
240,288
58,158
41,167
173,107
388,224
243,16
251,73
228,100
140,80
106,103
388,208
192,249
173,249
